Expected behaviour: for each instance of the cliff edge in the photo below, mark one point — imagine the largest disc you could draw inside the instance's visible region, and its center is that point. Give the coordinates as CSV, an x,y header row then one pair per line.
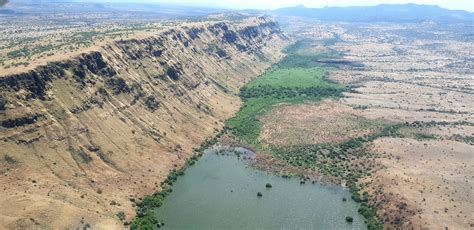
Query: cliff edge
x,y
82,139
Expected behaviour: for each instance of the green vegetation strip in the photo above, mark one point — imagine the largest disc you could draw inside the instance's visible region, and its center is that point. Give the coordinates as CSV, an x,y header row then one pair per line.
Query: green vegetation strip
x,y
289,81
146,218
300,78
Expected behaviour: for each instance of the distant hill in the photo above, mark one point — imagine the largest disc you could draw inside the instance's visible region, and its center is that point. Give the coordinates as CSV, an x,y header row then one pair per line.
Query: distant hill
x,y
156,10
380,13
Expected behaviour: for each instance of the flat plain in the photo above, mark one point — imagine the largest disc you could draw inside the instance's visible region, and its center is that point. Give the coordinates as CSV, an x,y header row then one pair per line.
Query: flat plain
x,y
419,76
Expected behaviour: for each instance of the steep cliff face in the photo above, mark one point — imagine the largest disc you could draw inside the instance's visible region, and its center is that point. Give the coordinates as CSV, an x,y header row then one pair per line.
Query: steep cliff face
x,y
81,139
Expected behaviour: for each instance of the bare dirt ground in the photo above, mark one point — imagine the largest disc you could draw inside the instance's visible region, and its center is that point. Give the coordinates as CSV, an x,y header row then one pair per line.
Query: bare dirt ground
x,y
434,177
412,78
328,121
401,73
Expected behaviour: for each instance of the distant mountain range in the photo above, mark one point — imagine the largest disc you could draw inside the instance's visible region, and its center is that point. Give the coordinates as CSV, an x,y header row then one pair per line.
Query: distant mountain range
x,y
379,13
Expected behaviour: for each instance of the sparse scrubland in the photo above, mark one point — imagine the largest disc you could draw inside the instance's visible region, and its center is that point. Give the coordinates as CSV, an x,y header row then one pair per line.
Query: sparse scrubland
x,y
95,117
301,79
348,131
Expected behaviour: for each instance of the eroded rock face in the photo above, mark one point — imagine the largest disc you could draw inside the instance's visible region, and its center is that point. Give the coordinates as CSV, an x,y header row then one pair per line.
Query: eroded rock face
x,y
99,130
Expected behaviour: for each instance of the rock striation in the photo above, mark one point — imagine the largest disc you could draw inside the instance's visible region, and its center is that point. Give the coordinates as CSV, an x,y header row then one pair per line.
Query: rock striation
x,y
82,139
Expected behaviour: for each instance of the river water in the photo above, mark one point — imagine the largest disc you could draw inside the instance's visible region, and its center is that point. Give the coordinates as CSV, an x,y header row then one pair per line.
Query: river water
x,y
220,192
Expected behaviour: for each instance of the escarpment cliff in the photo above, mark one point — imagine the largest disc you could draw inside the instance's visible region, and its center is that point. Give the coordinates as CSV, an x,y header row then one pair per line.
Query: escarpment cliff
x,y
82,139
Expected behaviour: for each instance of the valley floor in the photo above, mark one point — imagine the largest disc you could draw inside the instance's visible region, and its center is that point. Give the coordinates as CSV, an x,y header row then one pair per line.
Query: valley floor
x,y
397,129
384,110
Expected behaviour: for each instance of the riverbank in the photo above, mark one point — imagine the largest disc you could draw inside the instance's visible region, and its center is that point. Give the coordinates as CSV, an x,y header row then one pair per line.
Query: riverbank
x,y
231,195
272,101
299,79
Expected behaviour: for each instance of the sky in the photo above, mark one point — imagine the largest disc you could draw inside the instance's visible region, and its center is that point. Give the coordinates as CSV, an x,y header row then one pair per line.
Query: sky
x,y
273,4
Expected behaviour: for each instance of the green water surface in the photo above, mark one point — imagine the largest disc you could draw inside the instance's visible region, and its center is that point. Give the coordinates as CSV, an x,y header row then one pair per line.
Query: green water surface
x,y
220,192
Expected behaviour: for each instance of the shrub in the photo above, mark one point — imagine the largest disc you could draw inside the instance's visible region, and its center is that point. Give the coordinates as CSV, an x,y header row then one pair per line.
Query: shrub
x,y
371,216
173,74
121,215
146,222
150,202
9,159
118,85
151,103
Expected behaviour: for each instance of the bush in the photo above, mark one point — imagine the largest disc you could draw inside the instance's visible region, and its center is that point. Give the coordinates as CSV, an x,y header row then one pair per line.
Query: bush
x,y
151,103
118,85
150,202
145,222
349,219
371,216
173,73
9,159
121,215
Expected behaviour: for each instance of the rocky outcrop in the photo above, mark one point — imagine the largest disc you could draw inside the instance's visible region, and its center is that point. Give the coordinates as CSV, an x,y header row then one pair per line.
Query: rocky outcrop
x,y
91,134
